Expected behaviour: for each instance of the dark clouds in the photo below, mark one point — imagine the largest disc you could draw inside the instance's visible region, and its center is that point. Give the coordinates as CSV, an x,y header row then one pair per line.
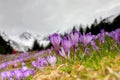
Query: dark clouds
x,y
46,16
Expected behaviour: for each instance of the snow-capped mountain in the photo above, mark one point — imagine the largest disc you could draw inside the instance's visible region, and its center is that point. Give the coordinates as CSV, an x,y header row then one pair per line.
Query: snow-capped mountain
x,y
4,35
109,19
26,36
24,41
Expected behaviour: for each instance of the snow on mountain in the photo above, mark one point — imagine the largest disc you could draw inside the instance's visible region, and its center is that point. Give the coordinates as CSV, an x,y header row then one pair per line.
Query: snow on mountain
x,y
4,35
109,19
44,43
26,36
42,40
25,41
21,43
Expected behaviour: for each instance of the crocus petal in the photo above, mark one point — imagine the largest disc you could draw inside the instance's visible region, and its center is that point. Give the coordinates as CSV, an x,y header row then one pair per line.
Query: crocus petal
x,y
55,40
51,60
62,52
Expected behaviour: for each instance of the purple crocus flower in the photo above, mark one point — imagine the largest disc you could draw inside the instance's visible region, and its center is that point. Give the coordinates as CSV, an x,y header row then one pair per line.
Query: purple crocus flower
x,y
11,78
41,63
3,75
95,47
74,37
24,68
16,61
26,74
3,65
95,37
18,74
23,63
55,40
102,36
31,71
15,64
8,74
34,64
116,35
12,73
51,60
66,44
62,52
86,39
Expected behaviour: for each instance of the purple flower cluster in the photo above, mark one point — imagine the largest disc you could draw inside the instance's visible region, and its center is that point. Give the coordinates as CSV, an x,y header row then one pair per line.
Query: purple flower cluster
x,y
74,37
17,59
22,58
63,44
72,40
66,44
41,62
4,65
18,74
55,39
102,36
25,72
86,39
115,35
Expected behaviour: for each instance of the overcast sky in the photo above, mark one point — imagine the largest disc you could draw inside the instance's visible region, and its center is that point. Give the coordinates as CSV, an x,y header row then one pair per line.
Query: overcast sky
x,y
47,16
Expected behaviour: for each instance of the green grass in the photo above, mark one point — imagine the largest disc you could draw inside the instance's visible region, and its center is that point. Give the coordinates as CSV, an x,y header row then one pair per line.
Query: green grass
x,y
102,64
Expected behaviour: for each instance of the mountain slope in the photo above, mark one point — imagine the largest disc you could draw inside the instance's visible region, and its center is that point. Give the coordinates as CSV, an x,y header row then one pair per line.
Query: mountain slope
x,y
24,41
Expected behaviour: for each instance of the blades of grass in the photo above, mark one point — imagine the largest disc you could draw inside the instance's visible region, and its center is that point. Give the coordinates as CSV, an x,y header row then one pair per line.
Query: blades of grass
x,y
82,58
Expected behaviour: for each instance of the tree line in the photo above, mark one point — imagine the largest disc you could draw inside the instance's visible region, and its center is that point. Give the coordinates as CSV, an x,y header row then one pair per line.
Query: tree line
x,y
105,24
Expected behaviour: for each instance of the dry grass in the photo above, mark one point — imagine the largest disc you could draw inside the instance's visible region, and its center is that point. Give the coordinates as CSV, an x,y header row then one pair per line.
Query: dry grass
x,y
110,70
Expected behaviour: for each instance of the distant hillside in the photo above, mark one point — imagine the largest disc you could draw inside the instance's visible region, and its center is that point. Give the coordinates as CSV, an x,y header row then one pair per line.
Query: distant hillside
x,y
23,42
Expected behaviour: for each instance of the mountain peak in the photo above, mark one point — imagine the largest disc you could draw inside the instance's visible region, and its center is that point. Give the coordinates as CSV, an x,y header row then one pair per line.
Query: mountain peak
x,y
26,36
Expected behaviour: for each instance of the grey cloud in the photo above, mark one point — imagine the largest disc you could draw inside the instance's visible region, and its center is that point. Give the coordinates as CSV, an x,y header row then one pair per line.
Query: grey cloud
x,y
46,16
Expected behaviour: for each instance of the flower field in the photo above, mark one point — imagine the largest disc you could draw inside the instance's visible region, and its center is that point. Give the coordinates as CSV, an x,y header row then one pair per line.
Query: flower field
x,y
74,56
